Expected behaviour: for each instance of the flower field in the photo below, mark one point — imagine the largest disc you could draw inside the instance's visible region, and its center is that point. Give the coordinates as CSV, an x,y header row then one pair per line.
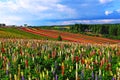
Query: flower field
x,y
70,36
51,60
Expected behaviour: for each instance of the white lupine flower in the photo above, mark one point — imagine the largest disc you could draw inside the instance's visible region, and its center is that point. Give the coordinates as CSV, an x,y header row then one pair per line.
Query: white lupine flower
x,y
76,71
99,71
67,79
29,78
33,59
7,66
47,72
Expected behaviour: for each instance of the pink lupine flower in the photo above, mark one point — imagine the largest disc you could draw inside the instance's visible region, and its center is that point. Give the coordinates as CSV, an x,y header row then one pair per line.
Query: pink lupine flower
x,y
77,58
26,63
83,61
3,50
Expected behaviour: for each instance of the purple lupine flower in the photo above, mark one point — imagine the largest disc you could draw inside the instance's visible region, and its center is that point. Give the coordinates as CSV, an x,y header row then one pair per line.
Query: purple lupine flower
x,y
53,72
92,75
113,78
23,78
8,63
82,74
6,72
96,77
56,77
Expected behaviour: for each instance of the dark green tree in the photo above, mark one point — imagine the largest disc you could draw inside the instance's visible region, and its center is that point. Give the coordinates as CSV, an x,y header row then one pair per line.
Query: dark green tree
x,y
59,38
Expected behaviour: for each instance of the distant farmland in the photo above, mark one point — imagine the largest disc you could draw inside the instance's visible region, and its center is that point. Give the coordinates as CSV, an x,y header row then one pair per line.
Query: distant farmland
x,y
69,36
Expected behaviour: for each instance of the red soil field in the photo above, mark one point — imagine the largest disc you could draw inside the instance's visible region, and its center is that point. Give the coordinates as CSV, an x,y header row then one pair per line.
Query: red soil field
x,y
70,36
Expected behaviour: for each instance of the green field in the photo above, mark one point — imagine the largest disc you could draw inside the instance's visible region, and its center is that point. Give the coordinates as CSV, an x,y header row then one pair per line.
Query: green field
x,y
12,32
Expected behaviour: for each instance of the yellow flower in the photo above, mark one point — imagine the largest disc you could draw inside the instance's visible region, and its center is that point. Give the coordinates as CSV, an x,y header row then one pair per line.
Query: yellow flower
x,y
119,63
85,61
91,59
43,74
111,73
21,73
45,57
115,76
15,77
40,76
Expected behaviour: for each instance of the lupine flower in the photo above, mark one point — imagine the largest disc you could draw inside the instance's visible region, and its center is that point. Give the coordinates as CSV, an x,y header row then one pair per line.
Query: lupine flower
x,y
100,53
15,77
56,77
41,76
67,79
72,57
83,61
96,76
82,74
76,71
29,78
3,50
22,76
99,71
113,78
53,54
92,75
10,76
92,53
62,67
77,58
6,72
20,51
26,63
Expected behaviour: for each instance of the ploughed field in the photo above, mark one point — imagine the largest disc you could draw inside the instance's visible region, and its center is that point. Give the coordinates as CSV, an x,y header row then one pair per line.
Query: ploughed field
x,y
29,59
70,36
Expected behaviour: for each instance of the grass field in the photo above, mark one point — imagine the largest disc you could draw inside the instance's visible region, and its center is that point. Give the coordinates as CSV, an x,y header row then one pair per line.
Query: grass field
x,y
12,32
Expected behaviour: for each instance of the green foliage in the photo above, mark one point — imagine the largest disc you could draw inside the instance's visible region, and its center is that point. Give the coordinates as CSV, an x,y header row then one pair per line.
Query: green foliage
x,y
106,30
59,38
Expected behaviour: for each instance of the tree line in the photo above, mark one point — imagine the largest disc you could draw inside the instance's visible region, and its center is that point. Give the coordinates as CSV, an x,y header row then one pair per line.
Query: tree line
x,y
106,30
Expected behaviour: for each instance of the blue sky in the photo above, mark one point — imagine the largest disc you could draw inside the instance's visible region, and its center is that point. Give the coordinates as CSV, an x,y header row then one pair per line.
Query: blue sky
x,y
59,12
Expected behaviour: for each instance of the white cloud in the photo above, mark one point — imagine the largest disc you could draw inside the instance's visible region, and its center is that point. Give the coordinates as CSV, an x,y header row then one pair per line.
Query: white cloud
x,y
33,10
118,10
10,19
104,21
76,21
101,21
108,12
105,1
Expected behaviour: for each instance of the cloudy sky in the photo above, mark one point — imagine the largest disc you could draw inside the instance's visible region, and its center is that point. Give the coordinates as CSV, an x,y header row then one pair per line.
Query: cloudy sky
x,y
56,12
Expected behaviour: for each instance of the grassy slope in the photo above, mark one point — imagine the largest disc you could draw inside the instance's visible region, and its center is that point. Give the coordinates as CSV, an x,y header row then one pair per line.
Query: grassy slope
x,y
17,33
